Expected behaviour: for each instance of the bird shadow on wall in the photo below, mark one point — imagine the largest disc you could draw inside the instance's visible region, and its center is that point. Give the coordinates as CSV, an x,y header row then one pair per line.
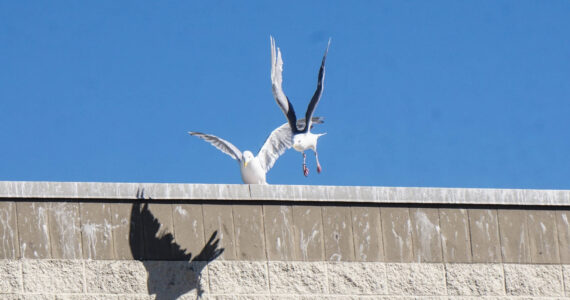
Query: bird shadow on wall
x,y
171,270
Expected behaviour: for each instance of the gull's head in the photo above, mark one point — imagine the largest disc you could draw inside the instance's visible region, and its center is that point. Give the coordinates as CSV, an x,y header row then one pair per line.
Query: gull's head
x,y
247,157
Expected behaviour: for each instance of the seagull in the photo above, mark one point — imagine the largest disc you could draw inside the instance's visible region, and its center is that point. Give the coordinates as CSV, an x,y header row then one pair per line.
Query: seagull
x,y
303,139
254,168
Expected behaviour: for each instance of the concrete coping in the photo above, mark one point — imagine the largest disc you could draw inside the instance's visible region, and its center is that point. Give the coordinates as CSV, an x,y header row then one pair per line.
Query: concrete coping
x,y
287,193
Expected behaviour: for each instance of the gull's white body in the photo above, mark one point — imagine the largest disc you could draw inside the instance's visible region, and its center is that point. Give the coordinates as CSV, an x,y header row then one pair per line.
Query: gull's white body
x,y
252,172
306,141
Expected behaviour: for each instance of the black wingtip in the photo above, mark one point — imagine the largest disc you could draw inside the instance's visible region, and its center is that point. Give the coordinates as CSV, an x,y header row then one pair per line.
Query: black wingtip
x,y
322,69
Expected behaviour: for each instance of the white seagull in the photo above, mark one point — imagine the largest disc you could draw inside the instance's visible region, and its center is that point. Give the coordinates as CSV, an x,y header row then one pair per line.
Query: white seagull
x,y
253,169
303,139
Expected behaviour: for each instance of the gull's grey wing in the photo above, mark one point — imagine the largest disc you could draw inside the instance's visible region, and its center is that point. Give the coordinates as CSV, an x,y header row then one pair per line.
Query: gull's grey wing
x,y
319,91
314,120
278,141
277,86
224,146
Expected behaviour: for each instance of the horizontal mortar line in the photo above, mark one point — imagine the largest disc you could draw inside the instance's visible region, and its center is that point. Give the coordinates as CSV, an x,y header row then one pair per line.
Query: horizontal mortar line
x,y
32,260
282,193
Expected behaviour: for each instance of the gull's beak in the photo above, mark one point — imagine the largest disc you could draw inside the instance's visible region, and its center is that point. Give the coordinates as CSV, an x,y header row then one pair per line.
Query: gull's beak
x,y
245,164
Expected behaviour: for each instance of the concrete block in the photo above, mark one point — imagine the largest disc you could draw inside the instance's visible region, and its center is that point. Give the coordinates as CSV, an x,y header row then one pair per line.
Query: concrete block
x,y
189,296
566,276
9,244
426,237
285,297
397,234
297,277
53,276
249,233
136,297
338,239
543,237
307,222
219,218
367,233
279,233
65,230
357,278
455,238
533,280
513,232
563,228
391,297
176,279
33,229
89,297
239,297
10,276
238,277
29,297
115,277
485,245
189,227
317,297
414,279
475,279
96,230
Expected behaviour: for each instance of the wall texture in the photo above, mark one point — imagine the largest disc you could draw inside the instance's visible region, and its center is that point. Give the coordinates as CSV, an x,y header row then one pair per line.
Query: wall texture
x,y
177,241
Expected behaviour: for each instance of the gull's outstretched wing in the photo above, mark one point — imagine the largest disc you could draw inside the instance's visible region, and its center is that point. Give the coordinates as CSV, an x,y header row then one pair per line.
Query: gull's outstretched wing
x,y
276,84
319,91
224,146
278,141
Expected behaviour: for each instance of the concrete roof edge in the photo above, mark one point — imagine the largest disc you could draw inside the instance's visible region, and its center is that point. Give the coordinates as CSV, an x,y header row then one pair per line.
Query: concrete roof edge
x,y
292,193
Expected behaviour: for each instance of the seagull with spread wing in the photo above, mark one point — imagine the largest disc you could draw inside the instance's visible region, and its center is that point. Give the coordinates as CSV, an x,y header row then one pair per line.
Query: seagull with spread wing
x,y
303,139
254,168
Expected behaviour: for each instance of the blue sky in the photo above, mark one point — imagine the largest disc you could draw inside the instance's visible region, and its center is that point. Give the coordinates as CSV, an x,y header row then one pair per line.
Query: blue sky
x,y
439,93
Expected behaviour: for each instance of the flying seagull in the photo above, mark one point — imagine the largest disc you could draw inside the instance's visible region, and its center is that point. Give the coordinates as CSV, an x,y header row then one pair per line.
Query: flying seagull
x,y
303,139
253,169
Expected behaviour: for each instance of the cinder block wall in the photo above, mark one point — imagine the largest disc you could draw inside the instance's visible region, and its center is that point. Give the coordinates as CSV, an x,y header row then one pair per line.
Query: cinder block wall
x,y
70,240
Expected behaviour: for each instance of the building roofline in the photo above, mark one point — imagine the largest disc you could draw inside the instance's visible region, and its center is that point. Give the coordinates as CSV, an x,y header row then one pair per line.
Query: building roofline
x,y
286,193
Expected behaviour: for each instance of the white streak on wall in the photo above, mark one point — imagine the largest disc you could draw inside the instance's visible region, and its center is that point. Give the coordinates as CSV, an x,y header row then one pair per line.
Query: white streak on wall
x,y
64,218
306,240
286,233
180,210
364,243
427,232
90,232
7,238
